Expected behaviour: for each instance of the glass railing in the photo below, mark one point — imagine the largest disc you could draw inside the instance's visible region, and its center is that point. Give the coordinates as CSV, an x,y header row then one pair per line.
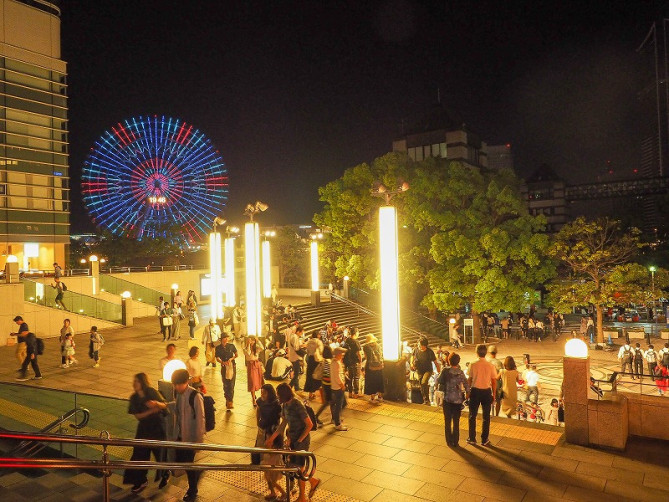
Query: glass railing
x,y
44,294
116,286
408,317
28,409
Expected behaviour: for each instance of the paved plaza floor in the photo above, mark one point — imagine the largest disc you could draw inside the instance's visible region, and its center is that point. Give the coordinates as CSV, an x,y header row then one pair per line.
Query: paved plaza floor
x,y
391,452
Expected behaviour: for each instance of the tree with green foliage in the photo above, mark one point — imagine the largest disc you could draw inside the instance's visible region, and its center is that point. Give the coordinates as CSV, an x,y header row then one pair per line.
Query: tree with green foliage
x,y
292,258
596,258
466,236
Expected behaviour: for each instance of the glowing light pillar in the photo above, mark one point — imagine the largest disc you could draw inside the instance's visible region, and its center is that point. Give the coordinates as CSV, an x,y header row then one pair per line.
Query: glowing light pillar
x,y
253,300
230,299
266,271
215,272
315,280
390,298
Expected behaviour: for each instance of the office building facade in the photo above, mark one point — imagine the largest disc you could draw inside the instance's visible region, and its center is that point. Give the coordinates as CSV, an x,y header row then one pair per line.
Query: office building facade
x,y
34,180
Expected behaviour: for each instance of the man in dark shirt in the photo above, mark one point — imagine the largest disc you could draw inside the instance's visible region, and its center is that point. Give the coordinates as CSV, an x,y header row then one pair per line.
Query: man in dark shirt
x,y
352,360
20,338
31,358
423,358
226,353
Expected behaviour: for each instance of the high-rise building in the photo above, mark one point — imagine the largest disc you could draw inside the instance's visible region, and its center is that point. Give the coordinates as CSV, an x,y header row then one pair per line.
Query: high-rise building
x,y
34,178
443,134
500,156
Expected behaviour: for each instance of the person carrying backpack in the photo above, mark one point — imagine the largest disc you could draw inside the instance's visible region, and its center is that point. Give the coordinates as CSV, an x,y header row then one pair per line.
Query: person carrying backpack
x,y
95,343
651,359
625,358
31,358
638,361
60,288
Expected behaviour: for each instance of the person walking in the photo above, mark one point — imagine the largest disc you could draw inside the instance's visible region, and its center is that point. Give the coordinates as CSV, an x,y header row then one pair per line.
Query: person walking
x,y
254,368
295,419
326,380
189,413
338,386
166,321
509,377
194,367
64,331
193,320
651,359
423,357
637,360
60,288
314,348
492,353
296,352
57,271
177,315
483,385
95,343
226,353
374,387
453,383
146,405
353,363
210,337
625,358
268,417
31,358
23,330
159,307
533,385
237,321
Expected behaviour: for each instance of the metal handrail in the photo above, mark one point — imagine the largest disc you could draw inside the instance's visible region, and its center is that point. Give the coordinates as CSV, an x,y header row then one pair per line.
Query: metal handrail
x,y
105,466
30,448
372,313
614,380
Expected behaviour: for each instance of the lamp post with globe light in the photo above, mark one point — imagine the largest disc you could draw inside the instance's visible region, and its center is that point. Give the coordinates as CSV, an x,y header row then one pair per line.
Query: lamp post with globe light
x,y
253,279
390,300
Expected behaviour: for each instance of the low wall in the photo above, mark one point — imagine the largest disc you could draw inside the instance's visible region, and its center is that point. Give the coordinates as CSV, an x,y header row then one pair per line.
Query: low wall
x,y
647,416
162,281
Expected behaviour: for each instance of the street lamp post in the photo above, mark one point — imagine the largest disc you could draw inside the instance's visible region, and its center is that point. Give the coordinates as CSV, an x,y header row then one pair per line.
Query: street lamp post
x,y
252,254
390,303
315,276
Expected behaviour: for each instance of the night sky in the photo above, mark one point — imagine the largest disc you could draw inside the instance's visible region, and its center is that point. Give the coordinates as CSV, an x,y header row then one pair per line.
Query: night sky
x,y
293,93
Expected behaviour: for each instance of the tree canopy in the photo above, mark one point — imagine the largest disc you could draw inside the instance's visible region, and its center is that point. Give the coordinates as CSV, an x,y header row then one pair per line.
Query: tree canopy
x,y
466,236
597,260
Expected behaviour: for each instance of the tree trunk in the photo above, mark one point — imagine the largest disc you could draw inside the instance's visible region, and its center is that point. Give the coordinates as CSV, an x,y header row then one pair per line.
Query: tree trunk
x,y
599,323
478,335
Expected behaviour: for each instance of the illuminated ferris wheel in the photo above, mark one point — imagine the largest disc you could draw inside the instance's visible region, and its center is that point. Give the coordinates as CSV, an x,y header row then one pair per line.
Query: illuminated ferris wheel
x,y
151,177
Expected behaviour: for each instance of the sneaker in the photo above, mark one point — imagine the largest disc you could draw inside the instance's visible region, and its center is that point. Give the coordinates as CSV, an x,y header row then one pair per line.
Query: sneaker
x,y
64,366
22,379
139,488
37,378
471,441
189,497
486,443
341,427
96,365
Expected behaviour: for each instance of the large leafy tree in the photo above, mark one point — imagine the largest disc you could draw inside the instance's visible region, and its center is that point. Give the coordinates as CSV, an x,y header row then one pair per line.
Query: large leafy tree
x,y
292,258
488,251
465,235
598,269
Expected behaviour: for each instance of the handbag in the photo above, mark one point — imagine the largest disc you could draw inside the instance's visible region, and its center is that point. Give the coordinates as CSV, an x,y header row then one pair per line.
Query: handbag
x,y
167,321
318,372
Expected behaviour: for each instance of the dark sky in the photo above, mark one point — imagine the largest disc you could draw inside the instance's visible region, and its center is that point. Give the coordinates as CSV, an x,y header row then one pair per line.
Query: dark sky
x,y
293,93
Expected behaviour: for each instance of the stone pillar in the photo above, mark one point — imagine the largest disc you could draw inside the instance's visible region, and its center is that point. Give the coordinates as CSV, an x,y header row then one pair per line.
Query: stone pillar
x,y
575,385
127,317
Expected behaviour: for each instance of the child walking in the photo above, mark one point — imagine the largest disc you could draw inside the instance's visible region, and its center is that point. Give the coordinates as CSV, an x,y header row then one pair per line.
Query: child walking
x,y
68,350
96,341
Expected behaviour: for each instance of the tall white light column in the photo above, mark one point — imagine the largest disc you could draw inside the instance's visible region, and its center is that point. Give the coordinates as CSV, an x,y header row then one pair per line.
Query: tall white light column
x,y
216,275
266,270
253,300
390,296
315,276
230,296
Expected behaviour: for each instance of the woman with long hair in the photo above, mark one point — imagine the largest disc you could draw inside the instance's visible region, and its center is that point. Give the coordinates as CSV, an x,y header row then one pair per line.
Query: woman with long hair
x,y
147,405
268,417
509,376
254,367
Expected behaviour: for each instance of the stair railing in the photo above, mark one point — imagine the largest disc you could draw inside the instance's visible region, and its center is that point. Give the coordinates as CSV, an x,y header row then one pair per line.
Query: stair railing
x,y
106,465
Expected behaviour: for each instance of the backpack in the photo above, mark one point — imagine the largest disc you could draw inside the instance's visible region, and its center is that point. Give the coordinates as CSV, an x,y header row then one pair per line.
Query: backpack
x,y
209,410
311,415
39,346
64,286
375,362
